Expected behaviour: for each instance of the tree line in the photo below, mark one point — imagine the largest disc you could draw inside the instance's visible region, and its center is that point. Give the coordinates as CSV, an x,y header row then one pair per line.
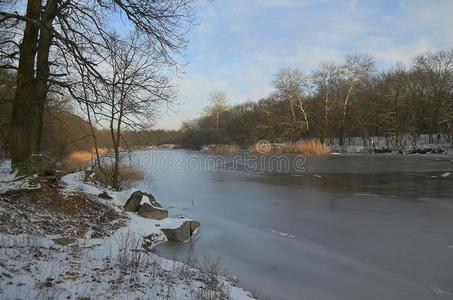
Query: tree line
x,y
337,100
114,76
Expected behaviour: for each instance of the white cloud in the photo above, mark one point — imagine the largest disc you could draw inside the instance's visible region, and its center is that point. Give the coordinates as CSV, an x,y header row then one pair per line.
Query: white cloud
x,y
239,45
287,3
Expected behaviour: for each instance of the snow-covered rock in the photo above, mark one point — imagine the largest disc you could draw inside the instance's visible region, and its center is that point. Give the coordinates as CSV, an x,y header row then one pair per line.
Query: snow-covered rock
x,y
180,233
152,212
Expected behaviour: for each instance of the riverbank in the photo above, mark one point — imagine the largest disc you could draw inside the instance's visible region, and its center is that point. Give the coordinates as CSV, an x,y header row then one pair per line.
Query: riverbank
x,y
62,241
341,227
422,144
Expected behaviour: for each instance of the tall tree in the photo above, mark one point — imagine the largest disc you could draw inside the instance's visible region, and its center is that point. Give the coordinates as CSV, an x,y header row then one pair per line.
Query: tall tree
x,y
326,80
55,35
292,86
218,105
355,70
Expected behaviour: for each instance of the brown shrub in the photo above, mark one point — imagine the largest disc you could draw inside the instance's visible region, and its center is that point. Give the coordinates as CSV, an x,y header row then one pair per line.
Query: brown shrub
x,y
223,148
80,160
72,165
126,174
310,147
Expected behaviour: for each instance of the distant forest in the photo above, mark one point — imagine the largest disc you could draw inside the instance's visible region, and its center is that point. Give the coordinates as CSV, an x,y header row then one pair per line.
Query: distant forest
x,y
347,99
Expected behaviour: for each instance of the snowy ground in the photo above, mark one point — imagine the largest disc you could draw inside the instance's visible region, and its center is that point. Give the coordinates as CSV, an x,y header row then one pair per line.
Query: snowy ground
x,y
57,263
425,143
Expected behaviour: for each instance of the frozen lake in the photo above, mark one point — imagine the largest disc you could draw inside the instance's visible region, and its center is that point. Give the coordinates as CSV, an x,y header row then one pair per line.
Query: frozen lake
x,y
334,227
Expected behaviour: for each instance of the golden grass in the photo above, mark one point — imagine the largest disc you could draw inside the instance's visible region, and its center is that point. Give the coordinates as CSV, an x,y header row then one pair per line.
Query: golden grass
x,y
85,154
223,148
72,165
310,147
80,160
126,174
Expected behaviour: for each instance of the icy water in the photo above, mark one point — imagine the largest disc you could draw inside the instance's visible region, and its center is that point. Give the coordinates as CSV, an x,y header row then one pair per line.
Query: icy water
x,y
334,227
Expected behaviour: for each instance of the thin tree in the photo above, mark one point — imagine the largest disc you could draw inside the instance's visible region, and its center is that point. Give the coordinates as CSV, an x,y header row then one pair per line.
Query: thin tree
x,y
130,94
326,79
355,70
218,105
292,86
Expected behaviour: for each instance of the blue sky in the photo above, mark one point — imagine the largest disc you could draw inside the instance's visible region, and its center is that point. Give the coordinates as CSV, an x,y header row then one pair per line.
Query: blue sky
x,y
237,46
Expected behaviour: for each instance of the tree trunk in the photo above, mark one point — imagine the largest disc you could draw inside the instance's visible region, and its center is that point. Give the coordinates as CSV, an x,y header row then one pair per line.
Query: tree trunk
x,y
307,124
21,124
217,120
326,116
42,74
345,110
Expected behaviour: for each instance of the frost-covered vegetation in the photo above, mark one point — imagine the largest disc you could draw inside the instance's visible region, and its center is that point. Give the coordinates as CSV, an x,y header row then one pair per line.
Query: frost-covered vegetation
x,y
62,241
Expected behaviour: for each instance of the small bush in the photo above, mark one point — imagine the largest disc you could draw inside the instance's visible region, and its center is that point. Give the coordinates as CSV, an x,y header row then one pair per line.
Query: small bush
x,y
72,165
126,174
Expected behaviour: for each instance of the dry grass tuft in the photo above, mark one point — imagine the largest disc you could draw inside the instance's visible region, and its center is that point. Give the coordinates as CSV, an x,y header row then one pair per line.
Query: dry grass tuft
x,y
127,174
80,160
223,148
72,165
310,147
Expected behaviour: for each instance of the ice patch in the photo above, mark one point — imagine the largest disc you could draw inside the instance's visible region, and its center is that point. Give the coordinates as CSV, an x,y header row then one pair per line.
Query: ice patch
x,y
440,291
366,194
282,233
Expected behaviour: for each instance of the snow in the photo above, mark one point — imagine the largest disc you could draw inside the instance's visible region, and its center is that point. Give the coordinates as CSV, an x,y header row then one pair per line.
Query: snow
x,y
145,199
172,223
115,267
408,142
9,182
283,234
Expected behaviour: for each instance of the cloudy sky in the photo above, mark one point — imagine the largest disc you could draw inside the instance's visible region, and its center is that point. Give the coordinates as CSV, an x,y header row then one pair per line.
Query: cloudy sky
x,y
237,46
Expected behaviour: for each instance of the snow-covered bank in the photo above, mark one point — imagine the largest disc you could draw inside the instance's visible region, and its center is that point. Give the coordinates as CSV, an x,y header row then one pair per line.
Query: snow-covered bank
x,y
67,265
407,144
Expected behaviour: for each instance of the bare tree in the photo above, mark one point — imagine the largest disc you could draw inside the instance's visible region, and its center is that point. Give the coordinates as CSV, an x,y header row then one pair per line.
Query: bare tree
x,y
129,96
292,86
218,105
433,78
326,78
50,37
355,70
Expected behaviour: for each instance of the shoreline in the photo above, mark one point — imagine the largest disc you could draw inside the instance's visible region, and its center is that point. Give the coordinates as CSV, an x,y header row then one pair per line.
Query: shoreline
x,y
71,266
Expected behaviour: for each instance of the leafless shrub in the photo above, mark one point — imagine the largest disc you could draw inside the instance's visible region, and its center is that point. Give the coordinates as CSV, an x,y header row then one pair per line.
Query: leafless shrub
x,y
126,174
72,165
130,259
